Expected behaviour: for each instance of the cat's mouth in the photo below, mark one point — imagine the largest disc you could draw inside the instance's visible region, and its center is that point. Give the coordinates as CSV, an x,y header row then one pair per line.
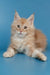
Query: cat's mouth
x,y
21,34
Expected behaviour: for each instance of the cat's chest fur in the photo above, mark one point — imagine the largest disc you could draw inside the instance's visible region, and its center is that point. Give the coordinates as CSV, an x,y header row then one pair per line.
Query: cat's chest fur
x,y
20,43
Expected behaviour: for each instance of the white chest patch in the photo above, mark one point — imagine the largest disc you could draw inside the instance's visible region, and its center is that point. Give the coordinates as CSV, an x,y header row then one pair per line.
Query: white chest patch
x,y
20,43
19,39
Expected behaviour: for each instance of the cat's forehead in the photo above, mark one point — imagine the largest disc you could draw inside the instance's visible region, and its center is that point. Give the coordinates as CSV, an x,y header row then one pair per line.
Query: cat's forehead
x,y
23,21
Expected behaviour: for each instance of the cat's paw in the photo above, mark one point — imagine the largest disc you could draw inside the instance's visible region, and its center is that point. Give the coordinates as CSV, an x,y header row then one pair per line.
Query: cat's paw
x,y
7,54
44,58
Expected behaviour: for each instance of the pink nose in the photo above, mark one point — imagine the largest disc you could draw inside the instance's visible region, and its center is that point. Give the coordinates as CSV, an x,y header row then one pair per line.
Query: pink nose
x,y
20,31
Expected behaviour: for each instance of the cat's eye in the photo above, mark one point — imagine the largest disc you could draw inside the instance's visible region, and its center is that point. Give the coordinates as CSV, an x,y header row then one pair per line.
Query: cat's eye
x,y
18,26
25,27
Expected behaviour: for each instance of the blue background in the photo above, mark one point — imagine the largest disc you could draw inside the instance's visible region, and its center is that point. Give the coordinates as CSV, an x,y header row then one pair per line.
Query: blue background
x,y
21,64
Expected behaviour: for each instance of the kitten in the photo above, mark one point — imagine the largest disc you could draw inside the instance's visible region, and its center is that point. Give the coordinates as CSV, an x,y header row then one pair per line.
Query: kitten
x,y
26,39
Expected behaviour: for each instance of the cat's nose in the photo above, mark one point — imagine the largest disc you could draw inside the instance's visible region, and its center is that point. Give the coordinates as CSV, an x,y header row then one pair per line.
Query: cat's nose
x,y
20,31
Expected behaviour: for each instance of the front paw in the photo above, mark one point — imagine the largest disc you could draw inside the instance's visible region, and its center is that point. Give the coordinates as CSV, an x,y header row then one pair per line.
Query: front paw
x,y
7,54
43,58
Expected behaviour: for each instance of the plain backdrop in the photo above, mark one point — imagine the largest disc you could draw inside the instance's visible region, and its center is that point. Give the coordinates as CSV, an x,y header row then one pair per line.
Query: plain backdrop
x,y
21,64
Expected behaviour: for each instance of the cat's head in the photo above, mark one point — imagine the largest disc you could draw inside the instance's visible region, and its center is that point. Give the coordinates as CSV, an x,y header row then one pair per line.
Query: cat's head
x,y
21,26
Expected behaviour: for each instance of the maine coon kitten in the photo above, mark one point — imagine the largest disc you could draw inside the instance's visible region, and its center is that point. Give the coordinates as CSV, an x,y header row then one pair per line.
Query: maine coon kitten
x,y
26,39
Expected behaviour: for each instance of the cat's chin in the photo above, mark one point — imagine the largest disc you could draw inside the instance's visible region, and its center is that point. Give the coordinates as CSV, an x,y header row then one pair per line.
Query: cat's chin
x,y
21,35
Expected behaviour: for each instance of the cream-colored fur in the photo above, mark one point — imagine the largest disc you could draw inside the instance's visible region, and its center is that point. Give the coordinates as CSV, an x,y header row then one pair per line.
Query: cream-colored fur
x,y
23,38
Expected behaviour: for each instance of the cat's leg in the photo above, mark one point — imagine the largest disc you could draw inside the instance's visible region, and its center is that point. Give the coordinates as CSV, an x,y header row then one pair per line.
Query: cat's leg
x,y
40,49
31,51
38,54
10,52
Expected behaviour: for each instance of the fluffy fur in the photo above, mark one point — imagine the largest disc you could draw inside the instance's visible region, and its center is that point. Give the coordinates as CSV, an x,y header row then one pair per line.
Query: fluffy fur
x,y
26,39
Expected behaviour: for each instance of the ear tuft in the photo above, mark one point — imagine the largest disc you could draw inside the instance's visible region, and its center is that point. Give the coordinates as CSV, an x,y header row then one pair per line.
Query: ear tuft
x,y
31,19
16,17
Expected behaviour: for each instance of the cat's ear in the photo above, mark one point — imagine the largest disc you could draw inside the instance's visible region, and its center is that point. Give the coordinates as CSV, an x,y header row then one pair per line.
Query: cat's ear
x,y
16,17
31,19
